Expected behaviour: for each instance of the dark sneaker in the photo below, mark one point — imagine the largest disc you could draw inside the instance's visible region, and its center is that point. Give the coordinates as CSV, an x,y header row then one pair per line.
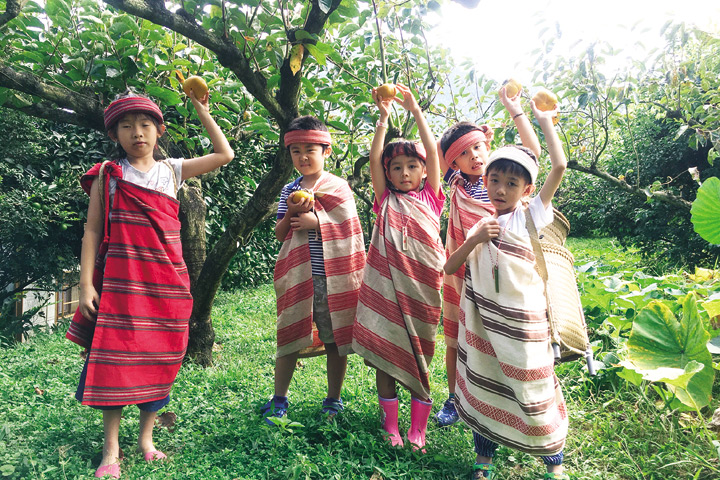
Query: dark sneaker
x,y
275,407
332,406
447,415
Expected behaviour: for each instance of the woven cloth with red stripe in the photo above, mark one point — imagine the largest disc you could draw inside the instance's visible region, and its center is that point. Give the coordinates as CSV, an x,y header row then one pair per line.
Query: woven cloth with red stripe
x,y
137,345
399,308
344,256
465,212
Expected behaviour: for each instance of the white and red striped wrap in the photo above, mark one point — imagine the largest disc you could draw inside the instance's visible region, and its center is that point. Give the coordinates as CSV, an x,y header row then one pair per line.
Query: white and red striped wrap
x,y
506,385
344,255
399,307
465,212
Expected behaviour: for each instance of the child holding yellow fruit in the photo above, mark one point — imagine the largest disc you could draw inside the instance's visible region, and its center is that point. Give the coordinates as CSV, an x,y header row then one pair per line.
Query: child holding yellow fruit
x,y
464,149
319,267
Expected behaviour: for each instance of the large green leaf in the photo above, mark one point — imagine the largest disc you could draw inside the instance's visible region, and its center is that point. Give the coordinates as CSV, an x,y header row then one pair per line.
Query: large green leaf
x,y
706,211
660,341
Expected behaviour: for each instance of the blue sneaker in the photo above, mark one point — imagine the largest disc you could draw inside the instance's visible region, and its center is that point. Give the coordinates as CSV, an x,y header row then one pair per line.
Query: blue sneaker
x,y
332,406
447,415
275,407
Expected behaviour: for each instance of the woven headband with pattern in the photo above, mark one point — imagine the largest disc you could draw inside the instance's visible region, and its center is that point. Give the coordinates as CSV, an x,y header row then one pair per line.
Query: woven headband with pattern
x,y
119,107
462,143
516,155
308,136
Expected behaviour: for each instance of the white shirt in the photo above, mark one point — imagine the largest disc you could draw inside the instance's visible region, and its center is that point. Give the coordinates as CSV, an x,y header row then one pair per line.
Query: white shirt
x,y
159,177
541,216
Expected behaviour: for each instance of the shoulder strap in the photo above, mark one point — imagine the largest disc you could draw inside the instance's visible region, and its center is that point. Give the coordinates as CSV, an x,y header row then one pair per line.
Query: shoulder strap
x,y
172,173
104,191
537,249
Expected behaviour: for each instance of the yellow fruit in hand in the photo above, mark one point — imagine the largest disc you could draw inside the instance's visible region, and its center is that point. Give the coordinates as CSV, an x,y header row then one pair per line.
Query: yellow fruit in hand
x,y
545,100
386,90
512,87
299,195
197,85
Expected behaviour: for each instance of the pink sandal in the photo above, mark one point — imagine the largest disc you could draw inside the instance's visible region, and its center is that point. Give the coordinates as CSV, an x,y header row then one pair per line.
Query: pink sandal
x,y
113,470
154,456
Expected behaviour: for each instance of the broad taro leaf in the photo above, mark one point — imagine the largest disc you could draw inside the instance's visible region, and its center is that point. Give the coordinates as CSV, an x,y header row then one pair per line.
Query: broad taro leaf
x,y
706,211
659,341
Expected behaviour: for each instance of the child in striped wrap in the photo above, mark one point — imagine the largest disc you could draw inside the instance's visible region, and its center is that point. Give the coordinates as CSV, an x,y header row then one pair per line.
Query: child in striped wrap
x,y
319,267
463,152
507,391
399,307
135,301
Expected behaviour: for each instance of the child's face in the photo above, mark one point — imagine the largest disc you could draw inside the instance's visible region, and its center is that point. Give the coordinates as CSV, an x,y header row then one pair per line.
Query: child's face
x,y
137,134
406,173
472,160
309,158
505,190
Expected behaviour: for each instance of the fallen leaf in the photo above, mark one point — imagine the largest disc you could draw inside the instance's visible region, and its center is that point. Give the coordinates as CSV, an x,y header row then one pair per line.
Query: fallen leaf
x,y
39,391
167,420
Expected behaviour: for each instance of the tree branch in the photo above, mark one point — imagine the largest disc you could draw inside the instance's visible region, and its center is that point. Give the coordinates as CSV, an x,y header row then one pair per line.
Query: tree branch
x,y
225,50
642,194
75,108
12,10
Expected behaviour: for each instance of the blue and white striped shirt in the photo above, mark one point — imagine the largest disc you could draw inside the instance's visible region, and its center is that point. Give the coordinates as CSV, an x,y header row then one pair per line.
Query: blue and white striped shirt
x,y
317,260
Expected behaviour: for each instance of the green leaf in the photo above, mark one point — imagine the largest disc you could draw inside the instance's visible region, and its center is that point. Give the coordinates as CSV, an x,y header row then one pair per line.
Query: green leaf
x,y
706,211
325,5
315,52
660,341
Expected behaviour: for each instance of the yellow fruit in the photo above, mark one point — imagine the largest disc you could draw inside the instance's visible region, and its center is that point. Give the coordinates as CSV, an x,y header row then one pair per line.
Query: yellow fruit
x,y
196,85
246,115
545,100
386,90
512,87
299,195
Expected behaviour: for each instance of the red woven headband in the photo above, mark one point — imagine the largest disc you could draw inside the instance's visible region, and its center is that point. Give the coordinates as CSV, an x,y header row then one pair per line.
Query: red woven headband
x,y
120,107
308,136
462,143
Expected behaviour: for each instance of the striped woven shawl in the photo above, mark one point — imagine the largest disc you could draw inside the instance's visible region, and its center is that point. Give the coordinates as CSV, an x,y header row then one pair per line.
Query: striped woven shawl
x,y
399,307
344,256
506,385
465,212
140,337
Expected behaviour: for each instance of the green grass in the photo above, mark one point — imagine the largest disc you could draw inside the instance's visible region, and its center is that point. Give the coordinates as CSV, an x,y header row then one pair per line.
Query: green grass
x,y
615,432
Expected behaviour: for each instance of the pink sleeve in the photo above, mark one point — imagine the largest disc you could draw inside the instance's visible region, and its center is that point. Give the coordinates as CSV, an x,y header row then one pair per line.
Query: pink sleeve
x,y
435,202
376,206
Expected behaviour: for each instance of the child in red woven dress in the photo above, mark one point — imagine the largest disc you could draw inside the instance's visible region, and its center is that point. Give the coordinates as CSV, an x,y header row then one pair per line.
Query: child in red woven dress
x,y
399,307
319,267
135,300
464,150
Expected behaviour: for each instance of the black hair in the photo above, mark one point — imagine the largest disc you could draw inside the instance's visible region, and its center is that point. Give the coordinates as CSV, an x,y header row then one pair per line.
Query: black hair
x,y
511,167
308,122
455,132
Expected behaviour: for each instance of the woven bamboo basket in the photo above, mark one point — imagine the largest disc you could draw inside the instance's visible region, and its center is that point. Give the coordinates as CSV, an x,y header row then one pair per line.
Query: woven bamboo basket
x,y
557,231
564,306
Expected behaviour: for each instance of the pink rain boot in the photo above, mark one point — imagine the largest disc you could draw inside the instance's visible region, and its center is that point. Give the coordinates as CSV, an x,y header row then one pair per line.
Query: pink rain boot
x,y
390,420
419,413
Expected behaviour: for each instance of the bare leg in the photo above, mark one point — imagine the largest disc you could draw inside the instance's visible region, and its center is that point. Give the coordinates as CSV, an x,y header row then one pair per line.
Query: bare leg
x,y
555,468
419,396
479,459
386,385
145,438
336,368
111,447
284,370
451,366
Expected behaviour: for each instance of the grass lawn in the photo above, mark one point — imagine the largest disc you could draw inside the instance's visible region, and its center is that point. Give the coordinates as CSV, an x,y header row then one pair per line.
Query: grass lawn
x,y
616,430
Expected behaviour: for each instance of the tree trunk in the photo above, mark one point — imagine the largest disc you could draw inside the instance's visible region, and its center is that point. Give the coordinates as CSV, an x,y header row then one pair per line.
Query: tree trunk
x,y
192,232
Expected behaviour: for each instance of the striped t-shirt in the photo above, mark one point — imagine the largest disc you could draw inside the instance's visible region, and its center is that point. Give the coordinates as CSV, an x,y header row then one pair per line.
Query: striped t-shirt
x,y
475,190
317,261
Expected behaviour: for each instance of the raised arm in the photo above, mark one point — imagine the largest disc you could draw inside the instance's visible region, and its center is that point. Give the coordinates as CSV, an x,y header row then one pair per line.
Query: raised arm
x,y
377,171
527,133
558,162
432,163
222,153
